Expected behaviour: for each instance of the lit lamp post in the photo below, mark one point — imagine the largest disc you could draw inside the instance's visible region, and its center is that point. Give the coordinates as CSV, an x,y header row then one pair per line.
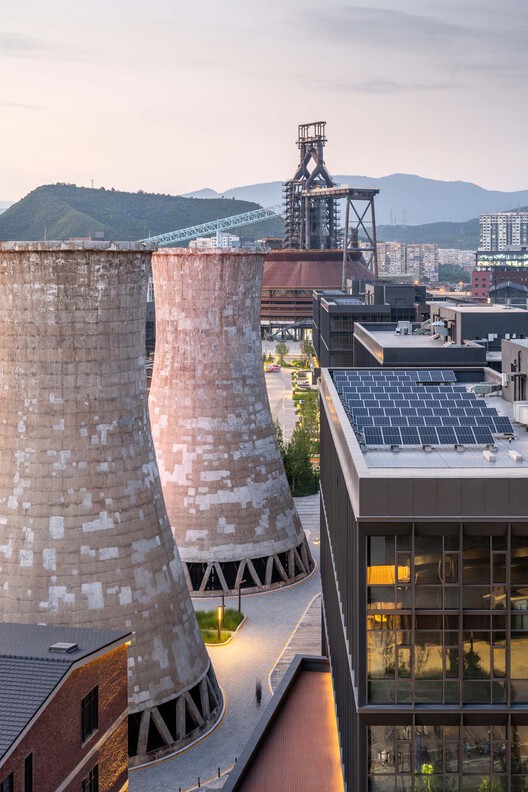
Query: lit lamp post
x,y
220,615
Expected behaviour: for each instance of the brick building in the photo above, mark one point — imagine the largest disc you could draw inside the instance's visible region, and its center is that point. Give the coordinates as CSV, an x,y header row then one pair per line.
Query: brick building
x,y
63,709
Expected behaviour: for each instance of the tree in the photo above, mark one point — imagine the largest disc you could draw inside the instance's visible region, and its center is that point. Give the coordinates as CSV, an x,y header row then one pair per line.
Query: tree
x,y
280,437
307,351
281,350
301,476
309,419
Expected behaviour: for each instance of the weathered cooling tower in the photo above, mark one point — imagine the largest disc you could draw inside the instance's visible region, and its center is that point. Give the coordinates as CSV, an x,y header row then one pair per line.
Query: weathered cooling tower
x,y
84,535
226,492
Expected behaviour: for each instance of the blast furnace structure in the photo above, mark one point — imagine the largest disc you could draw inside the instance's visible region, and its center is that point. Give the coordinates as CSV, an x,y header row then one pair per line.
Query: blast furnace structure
x,y
225,488
84,534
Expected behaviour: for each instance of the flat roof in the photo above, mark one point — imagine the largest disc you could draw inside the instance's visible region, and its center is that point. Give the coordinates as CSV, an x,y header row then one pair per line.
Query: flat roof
x,y
389,339
444,457
33,661
295,745
474,308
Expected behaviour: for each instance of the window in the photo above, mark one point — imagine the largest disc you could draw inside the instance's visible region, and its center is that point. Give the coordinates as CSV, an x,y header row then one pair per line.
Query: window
x,y
90,713
28,773
91,782
7,785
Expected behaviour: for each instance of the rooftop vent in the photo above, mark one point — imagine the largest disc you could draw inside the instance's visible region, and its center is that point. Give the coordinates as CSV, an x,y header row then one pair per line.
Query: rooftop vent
x,y
64,647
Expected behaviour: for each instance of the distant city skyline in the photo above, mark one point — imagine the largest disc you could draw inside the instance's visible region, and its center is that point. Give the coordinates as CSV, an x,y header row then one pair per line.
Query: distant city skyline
x,y
174,98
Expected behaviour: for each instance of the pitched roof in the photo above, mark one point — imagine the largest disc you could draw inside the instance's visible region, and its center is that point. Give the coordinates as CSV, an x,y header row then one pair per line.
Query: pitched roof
x,y
30,671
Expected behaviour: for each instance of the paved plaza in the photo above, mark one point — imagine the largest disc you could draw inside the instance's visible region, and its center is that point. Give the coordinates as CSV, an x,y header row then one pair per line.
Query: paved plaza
x,y
272,619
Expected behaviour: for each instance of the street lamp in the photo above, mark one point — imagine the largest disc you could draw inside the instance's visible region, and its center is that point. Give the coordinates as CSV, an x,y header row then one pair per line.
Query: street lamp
x,y
220,615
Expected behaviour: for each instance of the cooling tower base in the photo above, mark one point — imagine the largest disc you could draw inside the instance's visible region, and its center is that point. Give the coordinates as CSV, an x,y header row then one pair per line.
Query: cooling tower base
x,y
250,575
171,726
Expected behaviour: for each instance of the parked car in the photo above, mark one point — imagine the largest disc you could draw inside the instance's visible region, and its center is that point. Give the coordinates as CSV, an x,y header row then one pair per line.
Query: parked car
x,y
275,367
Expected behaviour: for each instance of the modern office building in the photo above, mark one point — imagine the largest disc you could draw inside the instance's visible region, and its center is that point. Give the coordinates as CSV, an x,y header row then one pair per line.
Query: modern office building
x,y
424,563
387,344
494,268
503,230
406,300
334,315
486,323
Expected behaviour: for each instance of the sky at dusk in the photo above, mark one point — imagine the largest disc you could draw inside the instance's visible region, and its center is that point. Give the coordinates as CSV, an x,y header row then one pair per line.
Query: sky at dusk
x,y
175,96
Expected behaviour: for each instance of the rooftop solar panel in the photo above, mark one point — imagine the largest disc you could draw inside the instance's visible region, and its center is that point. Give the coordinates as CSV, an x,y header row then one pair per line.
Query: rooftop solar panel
x,y
446,435
428,435
372,435
503,425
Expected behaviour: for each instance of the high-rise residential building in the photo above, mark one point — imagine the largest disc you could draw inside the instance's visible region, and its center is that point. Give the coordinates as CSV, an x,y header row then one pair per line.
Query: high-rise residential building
x,y
391,258
458,258
503,230
423,260
424,564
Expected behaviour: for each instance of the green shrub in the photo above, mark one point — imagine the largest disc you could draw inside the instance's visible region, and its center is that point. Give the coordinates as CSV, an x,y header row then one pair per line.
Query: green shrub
x,y
208,620
211,636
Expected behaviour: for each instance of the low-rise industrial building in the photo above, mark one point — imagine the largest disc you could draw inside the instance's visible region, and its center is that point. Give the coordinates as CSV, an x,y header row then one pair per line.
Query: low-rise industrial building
x,y
63,709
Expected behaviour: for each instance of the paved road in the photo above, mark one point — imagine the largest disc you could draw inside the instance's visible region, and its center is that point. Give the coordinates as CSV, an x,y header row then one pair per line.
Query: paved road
x,y
272,619
279,386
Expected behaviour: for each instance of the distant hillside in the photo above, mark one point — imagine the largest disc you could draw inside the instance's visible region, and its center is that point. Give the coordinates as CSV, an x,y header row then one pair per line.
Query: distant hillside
x,y
60,211
464,236
403,198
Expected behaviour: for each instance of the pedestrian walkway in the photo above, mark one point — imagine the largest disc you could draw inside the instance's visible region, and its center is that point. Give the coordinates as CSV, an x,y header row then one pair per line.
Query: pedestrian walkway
x,y
272,619
306,640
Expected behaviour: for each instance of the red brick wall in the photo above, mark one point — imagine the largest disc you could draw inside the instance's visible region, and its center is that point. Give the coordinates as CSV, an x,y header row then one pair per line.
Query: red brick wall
x,y
55,739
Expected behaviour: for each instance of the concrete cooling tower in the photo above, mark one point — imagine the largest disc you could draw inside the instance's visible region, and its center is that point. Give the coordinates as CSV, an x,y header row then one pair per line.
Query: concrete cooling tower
x,y
84,534
226,492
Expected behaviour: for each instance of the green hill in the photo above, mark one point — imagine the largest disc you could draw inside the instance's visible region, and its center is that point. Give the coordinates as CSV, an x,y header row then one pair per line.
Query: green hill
x,y
463,236
61,211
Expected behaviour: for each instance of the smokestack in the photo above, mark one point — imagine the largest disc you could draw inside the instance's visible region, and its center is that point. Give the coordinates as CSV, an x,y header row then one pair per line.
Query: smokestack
x,y
227,496
84,535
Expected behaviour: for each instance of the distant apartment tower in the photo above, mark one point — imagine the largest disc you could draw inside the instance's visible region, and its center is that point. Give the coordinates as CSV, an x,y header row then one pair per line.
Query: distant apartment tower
x,y
423,260
503,230
219,241
458,258
391,258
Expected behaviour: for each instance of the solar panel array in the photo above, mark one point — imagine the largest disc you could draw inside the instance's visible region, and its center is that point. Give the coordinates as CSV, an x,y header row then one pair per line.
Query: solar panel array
x,y
416,408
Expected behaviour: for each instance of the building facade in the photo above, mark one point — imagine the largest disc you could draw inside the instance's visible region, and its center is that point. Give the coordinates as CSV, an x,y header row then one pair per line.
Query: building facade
x,y
422,260
334,316
496,267
458,258
503,230
63,709
392,258
424,562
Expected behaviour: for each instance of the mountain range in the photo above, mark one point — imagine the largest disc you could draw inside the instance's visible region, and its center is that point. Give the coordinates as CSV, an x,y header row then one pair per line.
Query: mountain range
x,y
62,211
404,199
